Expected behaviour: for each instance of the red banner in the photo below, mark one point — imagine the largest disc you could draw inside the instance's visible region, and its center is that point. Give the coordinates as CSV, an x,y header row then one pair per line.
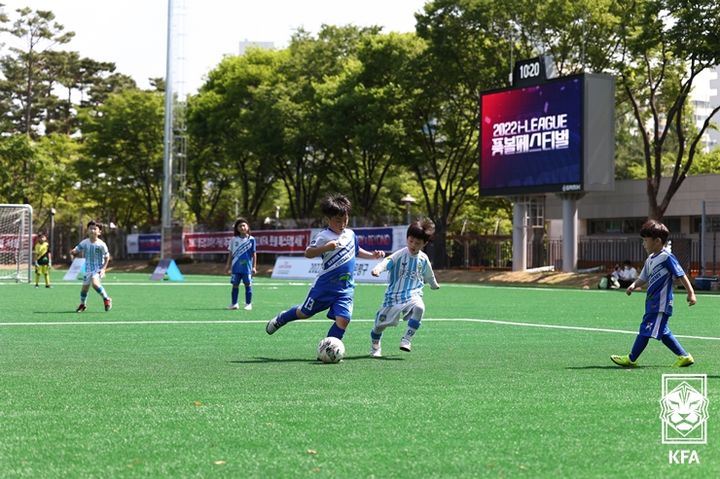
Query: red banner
x,y
267,241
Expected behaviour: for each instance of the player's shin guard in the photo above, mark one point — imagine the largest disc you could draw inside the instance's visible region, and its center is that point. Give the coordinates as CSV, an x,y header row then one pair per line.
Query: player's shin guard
x,y
248,294
234,295
101,291
672,343
336,331
638,347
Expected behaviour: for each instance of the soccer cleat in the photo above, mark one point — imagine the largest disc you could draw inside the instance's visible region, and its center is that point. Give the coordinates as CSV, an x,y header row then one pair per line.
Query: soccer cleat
x,y
623,361
684,361
81,308
405,345
375,350
36,286
108,303
234,306
272,326
48,286
248,307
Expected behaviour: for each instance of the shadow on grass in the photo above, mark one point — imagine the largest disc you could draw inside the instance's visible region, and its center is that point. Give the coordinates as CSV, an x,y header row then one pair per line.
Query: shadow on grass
x,y
68,312
260,360
613,367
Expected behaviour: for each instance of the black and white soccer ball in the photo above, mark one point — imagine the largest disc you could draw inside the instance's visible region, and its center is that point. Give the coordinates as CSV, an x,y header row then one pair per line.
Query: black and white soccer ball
x,y
330,350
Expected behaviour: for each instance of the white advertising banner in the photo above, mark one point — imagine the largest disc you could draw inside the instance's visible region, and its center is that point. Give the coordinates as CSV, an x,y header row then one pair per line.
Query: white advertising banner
x,y
299,267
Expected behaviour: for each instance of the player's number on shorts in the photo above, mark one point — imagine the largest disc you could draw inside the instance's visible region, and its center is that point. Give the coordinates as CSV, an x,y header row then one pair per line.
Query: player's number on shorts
x,y
309,303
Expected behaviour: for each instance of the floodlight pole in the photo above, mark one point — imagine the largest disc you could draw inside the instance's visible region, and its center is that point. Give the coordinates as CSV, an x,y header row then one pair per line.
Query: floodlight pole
x,y
166,242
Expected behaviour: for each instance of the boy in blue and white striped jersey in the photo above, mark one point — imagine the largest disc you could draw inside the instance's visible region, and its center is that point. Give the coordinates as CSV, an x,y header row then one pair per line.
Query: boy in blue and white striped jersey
x,y
661,267
334,286
409,270
97,258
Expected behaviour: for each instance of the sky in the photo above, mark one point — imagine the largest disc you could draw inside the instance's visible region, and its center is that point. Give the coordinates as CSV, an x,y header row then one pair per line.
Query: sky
x,y
133,33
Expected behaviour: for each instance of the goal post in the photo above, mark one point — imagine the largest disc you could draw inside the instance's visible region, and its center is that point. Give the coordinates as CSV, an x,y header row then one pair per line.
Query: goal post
x,y
15,242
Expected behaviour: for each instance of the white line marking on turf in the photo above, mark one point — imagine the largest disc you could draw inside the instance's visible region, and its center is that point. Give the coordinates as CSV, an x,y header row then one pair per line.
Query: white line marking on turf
x,y
235,321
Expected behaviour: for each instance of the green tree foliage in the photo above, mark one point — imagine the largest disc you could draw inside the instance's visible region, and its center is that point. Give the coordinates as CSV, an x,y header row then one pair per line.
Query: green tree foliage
x,y
122,169
666,44
27,83
236,138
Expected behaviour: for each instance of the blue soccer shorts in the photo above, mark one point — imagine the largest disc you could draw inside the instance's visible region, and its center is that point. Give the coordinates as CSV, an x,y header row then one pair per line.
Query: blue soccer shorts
x,y
236,278
338,304
654,325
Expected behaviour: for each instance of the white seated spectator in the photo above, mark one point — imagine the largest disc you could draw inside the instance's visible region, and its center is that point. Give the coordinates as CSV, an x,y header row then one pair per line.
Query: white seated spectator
x,y
627,274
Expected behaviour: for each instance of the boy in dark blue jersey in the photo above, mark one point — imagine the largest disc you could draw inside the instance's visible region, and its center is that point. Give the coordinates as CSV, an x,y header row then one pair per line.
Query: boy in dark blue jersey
x,y
661,267
334,286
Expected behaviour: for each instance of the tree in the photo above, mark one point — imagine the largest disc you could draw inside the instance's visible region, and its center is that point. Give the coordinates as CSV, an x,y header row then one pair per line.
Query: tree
x,y
442,132
27,85
236,138
122,169
361,112
666,44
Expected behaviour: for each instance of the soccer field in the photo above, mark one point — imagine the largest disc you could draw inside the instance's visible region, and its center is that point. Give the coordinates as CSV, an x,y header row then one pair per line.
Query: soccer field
x,y
501,382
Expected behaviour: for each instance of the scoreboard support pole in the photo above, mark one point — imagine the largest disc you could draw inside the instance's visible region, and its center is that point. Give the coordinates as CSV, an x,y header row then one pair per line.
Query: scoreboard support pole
x,y
570,231
519,240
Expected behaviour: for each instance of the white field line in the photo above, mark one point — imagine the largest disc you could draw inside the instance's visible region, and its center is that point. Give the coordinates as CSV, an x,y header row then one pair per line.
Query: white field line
x,y
467,320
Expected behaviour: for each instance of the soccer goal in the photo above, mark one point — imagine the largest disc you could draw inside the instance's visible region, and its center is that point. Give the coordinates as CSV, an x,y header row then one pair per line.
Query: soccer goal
x,y
15,242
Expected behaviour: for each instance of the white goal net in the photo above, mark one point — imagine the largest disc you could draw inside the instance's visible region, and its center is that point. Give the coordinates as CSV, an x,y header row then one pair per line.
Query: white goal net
x,y
15,242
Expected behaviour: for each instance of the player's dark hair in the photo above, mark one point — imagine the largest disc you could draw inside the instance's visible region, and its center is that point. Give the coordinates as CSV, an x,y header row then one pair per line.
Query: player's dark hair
x,y
335,204
422,229
655,229
95,223
238,222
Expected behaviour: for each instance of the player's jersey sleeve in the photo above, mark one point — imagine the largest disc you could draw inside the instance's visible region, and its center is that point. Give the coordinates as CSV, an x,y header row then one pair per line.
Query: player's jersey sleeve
x,y
319,240
254,245
394,258
673,265
81,246
644,274
429,275
231,244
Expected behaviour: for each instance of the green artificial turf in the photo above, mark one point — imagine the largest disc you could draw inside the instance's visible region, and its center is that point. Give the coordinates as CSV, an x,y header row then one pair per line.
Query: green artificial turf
x,y
170,384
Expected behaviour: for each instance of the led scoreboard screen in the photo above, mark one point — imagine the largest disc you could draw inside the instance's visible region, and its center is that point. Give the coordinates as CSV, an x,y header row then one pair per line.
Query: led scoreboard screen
x,y
531,138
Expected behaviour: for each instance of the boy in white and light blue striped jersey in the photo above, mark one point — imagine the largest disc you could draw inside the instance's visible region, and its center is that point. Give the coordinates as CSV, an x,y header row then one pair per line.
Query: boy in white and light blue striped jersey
x,y
409,270
97,257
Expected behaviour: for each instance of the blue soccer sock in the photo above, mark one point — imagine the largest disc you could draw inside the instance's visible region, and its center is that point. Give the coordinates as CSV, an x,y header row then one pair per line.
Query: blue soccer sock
x,y
413,326
638,347
248,294
234,295
83,297
287,316
672,343
336,331
101,291
375,336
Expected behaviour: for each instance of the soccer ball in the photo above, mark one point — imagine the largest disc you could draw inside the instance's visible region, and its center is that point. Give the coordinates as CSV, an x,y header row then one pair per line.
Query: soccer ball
x,y
330,350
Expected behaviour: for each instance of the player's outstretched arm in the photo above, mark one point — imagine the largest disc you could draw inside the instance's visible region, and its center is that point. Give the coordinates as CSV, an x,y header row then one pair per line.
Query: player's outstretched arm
x,y
364,254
